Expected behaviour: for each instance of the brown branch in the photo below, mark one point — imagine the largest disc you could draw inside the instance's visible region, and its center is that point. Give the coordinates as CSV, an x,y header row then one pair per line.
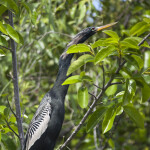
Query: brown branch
x,y
147,36
15,83
11,128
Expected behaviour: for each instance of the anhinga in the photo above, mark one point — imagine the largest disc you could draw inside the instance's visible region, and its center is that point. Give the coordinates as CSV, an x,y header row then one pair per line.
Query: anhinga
x,y
47,121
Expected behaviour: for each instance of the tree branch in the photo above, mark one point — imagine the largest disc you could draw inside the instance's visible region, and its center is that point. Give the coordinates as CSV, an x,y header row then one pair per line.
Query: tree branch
x,y
11,128
147,36
5,48
15,83
11,108
91,108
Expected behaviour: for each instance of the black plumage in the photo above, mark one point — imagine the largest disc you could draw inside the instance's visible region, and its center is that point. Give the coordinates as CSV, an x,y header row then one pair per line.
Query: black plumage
x,y
46,124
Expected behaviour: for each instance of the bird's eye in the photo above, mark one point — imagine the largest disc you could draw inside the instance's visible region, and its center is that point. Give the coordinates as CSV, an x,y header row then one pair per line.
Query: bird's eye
x,y
93,29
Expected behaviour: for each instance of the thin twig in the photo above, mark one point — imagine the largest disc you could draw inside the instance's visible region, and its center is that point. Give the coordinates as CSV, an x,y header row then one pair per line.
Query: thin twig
x,y
11,128
116,83
11,108
147,36
92,95
5,48
97,86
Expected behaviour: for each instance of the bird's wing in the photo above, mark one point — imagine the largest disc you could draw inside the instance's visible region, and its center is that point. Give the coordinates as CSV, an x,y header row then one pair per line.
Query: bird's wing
x,y
39,123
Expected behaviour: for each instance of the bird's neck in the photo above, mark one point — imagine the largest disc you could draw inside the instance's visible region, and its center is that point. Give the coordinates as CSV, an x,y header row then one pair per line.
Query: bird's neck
x,y
64,63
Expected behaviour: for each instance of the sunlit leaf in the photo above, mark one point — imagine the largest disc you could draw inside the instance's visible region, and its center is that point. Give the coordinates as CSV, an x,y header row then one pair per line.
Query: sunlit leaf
x,y
111,33
112,89
134,115
100,42
95,118
72,80
2,28
139,28
83,97
79,48
79,62
139,60
2,108
12,33
103,53
130,42
2,53
129,91
108,120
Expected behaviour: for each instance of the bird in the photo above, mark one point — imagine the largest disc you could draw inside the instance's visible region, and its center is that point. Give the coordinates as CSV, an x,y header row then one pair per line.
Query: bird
x,y
46,124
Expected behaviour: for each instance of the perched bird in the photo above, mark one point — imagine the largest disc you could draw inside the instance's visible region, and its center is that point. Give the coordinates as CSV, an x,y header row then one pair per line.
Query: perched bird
x,y
46,124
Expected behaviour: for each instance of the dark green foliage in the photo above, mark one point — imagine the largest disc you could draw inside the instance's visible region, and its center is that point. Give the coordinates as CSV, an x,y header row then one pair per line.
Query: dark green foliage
x,y
120,118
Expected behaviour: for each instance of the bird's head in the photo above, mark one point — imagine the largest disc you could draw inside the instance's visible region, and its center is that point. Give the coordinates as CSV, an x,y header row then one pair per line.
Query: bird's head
x,y
88,32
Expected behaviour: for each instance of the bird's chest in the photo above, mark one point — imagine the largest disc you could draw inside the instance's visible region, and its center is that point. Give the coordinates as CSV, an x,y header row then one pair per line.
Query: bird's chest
x,y
57,117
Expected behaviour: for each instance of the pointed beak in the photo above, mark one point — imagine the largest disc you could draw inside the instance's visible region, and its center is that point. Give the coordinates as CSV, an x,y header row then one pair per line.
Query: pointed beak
x,y
105,26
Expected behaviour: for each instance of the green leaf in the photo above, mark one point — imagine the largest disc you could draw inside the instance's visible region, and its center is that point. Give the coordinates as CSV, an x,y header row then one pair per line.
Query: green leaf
x,y
119,110
95,118
100,42
147,59
139,61
126,73
87,78
130,42
132,61
113,34
79,62
108,120
3,41
73,10
145,87
134,115
2,53
10,4
111,143
2,108
79,48
129,92
2,28
112,89
34,17
83,97
139,28
0,136
26,7
12,33
2,9
103,53
72,80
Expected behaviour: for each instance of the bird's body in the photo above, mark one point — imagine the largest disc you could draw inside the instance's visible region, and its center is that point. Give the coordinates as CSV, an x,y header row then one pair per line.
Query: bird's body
x,y
47,121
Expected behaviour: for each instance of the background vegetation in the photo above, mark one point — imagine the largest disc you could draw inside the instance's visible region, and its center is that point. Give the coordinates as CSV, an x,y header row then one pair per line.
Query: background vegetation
x,y
42,30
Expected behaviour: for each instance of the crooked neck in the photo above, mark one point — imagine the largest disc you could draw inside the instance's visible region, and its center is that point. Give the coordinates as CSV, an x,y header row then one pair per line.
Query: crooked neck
x,y
64,63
